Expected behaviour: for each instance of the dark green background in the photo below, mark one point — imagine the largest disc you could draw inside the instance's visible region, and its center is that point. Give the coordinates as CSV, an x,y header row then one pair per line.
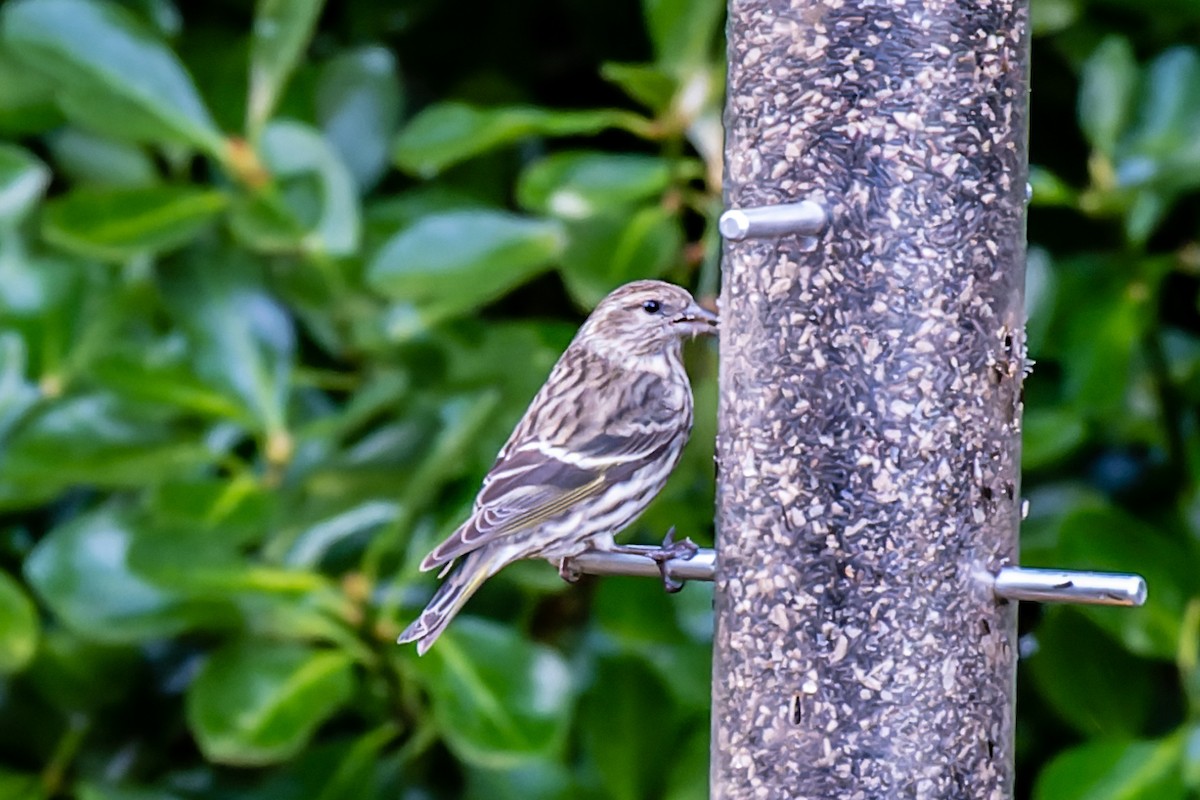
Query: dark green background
x,y
275,283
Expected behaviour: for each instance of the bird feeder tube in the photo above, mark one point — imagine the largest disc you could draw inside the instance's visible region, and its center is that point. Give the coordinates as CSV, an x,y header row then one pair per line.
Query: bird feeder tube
x,y
870,402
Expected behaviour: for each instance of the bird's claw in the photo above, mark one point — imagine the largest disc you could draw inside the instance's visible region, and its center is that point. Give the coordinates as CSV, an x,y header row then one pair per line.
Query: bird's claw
x,y
568,571
685,549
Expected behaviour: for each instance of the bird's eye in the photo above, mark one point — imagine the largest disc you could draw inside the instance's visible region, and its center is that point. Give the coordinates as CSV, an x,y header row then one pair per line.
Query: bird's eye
x,y
651,306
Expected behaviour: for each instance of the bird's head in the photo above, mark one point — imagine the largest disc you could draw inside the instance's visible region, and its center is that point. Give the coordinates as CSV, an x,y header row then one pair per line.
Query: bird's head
x,y
647,317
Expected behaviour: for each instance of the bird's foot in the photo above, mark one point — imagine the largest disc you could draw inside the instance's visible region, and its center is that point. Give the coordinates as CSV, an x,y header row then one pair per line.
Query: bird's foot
x,y
669,551
685,549
568,571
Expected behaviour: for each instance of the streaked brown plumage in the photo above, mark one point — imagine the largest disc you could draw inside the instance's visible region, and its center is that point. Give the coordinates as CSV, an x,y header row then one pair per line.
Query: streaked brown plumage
x,y
593,449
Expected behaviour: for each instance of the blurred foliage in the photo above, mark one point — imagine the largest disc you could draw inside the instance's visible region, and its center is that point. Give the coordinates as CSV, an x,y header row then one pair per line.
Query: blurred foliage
x,y
276,281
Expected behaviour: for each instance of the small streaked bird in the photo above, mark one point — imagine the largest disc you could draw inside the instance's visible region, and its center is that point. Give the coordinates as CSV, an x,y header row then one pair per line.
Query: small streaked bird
x,y
593,449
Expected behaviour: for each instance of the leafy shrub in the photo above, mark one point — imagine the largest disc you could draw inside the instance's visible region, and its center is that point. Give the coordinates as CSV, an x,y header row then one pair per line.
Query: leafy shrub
x,y
274,285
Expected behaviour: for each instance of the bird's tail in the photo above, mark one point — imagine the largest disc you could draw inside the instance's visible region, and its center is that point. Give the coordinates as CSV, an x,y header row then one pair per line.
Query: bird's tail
x,y
450,597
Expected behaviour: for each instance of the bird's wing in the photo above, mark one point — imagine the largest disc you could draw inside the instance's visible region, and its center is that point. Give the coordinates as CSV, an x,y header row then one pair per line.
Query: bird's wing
x,y
536,481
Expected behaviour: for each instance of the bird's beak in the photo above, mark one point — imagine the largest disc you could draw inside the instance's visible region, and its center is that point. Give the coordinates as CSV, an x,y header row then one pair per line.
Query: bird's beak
x,y
696,320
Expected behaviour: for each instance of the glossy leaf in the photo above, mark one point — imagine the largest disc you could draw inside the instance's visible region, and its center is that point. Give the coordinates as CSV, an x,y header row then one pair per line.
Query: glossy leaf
x,y
575,185
95,52
1097,340
22,180
358,102
1111,698
26,99
87,158
1051,16
683,31
17,394
497,699
81,572
19,626
1114,770
464,258
22,785
98,791
243,341
605,252
121,223
258,703
450,132
77,674
164,379
1049,189
112,444
688,776
1106,93
282,30
1167,113
1049,436
347,767
651,85
313,208
543,779
626,734
1107,540
638,619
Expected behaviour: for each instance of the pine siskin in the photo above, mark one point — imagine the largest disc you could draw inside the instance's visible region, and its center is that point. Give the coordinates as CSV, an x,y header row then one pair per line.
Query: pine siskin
x,y
593,449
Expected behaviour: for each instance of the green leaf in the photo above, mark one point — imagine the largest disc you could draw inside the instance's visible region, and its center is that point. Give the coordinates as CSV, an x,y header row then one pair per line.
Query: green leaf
x,y
243,341
19,626
1052,16
605,252
346,768
576,185
1049,190
84,157
651,85
497,699
541,779
100,57
314,541
1108,540
688,777
356,765
1114,770
81,675
112,444
628,733
313,208
637,618
20,785
17,394
358,107
26,99
257,703
97,791
464,258
116,224
1111,698
282,30
451,132
1097,340
162,378
81,572
684,32
162,15
1168,118
22,180
1106,93
1049,435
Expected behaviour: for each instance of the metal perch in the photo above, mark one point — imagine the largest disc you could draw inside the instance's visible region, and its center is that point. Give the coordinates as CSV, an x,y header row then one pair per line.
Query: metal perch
x,y
1010,583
